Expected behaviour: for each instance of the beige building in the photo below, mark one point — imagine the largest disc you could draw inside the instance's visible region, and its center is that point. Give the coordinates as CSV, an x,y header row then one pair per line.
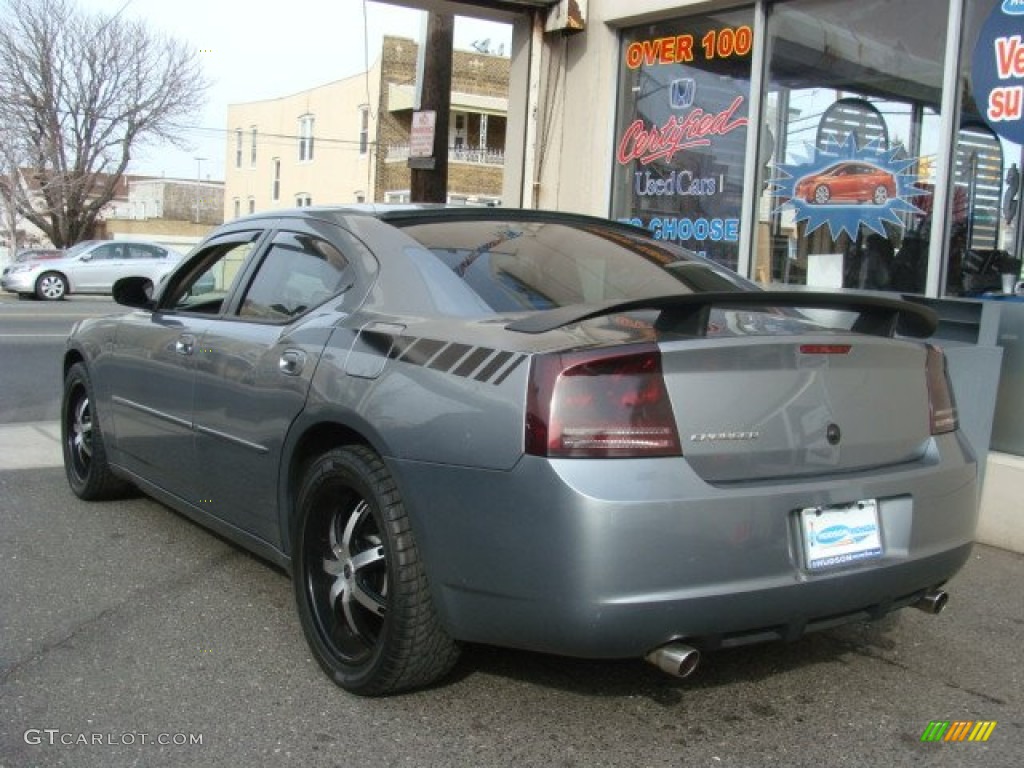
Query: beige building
x,y
348,141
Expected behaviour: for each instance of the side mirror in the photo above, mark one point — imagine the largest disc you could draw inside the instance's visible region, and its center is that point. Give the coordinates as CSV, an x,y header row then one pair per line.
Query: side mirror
x,y
85,257
134,292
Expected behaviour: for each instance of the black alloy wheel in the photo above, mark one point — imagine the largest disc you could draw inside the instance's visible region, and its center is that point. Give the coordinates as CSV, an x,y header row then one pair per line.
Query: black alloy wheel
x,y
360,586
85,456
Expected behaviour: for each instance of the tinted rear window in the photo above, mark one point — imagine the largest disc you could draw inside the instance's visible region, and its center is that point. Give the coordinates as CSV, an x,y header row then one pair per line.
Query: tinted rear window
x,y
533,265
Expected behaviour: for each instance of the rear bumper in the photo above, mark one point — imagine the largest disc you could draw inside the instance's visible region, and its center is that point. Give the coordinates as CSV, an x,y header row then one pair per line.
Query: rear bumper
x,y
610,558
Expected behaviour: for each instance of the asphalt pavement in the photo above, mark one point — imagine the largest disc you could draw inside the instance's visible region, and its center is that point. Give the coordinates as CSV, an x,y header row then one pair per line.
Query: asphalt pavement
x,y
130,636
32,336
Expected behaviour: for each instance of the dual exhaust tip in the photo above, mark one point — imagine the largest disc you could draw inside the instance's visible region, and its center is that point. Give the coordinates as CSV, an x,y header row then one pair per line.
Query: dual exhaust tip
x,y
675,659
680,660
933,601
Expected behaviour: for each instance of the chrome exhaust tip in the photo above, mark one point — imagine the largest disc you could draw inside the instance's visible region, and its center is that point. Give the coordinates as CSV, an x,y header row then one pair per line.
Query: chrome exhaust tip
x,y
675,659
933,602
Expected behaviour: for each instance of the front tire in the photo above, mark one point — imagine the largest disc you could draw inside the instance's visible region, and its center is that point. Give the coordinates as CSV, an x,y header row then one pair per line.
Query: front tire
x,y
822,194
360,586
85,455
51,286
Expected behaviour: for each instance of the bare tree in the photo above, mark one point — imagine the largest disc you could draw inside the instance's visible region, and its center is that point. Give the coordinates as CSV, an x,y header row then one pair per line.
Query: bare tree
x,y
9,217
77,93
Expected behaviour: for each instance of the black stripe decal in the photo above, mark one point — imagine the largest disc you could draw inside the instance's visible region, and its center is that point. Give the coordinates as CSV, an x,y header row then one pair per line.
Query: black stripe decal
x,y
494,366
449,357
421,351
507,371
377,341
442,356
471,363
401,344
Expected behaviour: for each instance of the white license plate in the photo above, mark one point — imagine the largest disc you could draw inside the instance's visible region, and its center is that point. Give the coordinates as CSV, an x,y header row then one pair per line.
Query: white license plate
x,y
839,535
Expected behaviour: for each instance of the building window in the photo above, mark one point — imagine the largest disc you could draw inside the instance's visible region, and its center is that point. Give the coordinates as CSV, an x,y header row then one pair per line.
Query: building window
x,y
275,194
252,151
459,131
252,205
397,197
687,189
983,235
238,148
305,138
303,200
364,129
238,207
846,196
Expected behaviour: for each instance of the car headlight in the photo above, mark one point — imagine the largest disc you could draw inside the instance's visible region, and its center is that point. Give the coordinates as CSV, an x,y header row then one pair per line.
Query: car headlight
x,y
21,268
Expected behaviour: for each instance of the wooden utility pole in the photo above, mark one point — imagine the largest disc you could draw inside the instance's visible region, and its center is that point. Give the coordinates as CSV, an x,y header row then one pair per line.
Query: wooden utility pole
x,y
429,183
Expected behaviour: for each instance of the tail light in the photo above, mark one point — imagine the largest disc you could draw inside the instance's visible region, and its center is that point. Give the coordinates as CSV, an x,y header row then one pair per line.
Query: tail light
x,y
941,405
600,403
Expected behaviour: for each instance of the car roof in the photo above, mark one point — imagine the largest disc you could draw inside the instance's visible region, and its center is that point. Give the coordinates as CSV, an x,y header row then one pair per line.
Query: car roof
x,y
426,212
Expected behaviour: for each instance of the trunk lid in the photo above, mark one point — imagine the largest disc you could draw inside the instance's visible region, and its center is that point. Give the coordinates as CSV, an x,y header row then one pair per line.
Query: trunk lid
x,y
757,408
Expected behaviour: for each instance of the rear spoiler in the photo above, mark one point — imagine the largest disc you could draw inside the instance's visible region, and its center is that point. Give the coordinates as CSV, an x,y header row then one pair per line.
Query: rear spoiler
x,y
689,313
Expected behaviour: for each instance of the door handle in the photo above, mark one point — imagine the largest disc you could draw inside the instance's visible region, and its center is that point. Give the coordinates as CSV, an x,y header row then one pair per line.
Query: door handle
x,y
185,344
292,362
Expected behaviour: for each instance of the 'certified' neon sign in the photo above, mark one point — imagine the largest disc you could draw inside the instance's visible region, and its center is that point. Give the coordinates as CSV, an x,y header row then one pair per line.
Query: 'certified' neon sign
x,y
695,129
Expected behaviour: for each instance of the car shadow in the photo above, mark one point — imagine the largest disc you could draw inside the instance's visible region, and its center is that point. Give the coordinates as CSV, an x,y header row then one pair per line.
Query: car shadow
x,y
718,669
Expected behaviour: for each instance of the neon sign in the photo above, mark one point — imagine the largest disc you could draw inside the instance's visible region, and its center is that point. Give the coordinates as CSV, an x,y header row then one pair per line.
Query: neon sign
x,y
678,49
649,144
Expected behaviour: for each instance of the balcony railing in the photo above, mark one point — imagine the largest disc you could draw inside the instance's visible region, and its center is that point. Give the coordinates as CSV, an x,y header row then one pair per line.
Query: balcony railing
x,y
400,152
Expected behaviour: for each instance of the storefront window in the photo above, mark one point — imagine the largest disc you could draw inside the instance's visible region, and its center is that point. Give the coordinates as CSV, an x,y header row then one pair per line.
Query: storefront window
x,y
985,227
681,130
852,111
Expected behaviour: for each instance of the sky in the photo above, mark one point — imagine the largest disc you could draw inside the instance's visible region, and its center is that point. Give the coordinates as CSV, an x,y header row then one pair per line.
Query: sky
x,y
260,50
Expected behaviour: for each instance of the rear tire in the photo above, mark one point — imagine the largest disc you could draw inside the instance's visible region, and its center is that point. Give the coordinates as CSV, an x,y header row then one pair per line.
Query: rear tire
x,y
85,456
360,586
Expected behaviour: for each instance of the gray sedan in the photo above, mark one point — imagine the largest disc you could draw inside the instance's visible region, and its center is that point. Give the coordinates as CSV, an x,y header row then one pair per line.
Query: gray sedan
x,y
528,429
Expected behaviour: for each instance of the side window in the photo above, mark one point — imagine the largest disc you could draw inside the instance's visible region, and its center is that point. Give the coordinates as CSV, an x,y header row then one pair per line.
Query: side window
x,y
106,252
299,272
206,283
142,251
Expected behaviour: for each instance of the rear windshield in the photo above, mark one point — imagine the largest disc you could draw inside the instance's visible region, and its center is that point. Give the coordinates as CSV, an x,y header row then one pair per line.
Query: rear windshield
x,y
514,265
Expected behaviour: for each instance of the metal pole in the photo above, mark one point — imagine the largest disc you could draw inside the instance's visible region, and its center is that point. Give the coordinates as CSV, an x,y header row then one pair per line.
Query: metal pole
x,y
199,181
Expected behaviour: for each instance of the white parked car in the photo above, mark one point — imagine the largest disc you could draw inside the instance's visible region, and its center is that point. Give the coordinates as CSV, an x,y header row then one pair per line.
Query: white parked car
x,y
92,266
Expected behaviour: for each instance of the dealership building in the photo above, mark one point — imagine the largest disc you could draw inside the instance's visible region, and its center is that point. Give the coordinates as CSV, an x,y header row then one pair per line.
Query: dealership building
x,y
819,144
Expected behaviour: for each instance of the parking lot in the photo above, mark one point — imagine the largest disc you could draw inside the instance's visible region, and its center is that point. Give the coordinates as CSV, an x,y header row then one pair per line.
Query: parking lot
x,y
130,636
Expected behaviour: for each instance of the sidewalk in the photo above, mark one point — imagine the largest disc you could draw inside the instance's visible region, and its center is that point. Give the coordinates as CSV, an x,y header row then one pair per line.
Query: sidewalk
x,y
32,445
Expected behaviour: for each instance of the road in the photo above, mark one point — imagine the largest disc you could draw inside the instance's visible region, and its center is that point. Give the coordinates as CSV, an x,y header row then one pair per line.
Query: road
x,y
123,624
32,335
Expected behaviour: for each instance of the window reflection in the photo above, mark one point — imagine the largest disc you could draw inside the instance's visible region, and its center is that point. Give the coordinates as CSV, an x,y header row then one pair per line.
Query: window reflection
x,y
852,103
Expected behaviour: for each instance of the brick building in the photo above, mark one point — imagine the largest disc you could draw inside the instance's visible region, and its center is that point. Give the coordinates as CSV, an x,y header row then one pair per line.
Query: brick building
x,y
347,141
